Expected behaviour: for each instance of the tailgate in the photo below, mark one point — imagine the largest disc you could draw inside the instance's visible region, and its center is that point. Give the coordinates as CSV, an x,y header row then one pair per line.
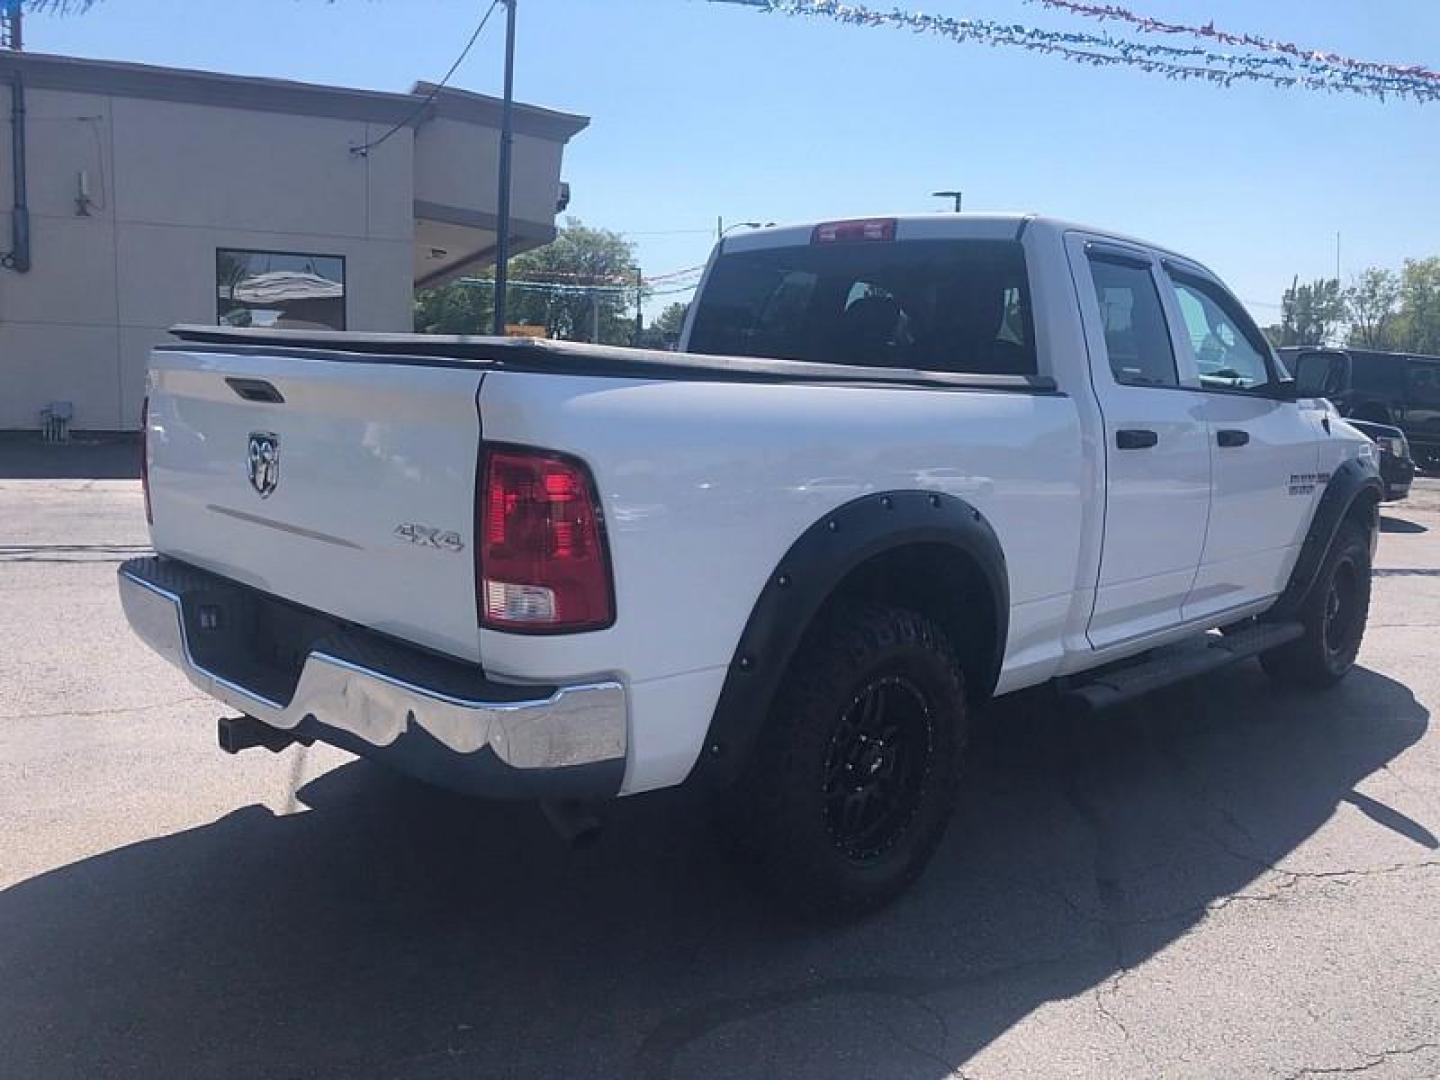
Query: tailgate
x,y
352,494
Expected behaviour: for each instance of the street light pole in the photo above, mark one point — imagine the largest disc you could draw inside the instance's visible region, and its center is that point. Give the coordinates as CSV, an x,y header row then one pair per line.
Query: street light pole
x,y
507,139
956,195
639,305
723,230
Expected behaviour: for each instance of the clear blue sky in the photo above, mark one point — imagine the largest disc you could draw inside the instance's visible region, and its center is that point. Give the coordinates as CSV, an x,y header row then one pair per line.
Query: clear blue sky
x,y
703,109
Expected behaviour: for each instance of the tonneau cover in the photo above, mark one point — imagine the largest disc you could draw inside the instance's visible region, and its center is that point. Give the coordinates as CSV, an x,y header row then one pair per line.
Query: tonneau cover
x,y
574,358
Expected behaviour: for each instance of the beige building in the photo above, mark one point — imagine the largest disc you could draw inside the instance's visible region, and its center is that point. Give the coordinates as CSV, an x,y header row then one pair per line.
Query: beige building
x,y
155,196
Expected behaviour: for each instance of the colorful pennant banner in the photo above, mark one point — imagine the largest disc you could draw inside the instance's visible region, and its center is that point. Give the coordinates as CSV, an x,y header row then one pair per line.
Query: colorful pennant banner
x,y
1250,41
1311,71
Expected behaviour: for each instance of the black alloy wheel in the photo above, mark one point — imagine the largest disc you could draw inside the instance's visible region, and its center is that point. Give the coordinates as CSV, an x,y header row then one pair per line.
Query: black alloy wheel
x,y
849,789
879,758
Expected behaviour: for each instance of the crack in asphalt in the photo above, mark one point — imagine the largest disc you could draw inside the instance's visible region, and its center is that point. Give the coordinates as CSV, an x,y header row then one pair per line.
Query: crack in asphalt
x,y
1374,1061
1110,893
1112,985
663,1045
1423,796
110,711
919,1051
1287,880
1290,878
13,554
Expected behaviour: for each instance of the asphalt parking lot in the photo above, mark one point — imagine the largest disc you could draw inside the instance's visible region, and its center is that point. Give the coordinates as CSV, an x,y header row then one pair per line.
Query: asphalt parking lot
x,y
1227,880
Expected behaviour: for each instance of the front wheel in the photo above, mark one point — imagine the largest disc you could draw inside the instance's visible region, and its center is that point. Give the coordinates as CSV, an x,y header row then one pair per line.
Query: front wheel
x,y
1334,615
854,778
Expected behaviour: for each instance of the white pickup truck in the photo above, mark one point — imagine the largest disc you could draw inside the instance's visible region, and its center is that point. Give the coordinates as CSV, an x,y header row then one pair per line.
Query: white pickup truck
x,y
901,466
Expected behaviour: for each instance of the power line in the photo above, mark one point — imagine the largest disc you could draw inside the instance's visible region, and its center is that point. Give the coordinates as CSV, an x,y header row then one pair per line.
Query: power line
x,y
675,292
435,90
622,280
546,286
676,273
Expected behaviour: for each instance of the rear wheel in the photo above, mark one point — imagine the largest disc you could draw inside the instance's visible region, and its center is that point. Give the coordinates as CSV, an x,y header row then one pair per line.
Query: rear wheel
x,y
854,778
1334,616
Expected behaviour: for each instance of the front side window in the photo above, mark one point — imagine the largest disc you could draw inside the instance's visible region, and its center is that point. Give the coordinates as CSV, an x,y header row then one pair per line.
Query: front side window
x,y
934,305
1228,349
280,290
1137,339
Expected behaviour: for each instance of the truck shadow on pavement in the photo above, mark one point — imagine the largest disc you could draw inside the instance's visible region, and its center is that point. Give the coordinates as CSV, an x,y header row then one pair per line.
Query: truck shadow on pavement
x,y
1391,524
394,931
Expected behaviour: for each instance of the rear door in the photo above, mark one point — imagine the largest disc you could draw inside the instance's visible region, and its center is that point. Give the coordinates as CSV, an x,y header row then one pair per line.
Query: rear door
x,y
1157,459
1265,453
344,485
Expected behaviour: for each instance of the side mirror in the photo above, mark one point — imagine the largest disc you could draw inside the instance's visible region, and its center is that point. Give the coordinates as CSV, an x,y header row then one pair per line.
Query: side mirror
x,y
1320,374
1285,390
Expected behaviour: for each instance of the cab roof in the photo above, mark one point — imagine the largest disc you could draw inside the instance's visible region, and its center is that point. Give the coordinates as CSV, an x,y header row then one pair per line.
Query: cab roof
x,y
966,225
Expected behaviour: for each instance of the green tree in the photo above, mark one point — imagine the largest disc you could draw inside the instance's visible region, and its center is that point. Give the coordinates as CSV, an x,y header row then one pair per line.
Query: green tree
x,y
579,287
1372,303
1310,313
664,332
461,307
1418,321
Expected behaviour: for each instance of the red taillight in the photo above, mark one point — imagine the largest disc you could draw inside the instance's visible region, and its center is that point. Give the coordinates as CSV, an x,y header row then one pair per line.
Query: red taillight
x,y
145,458
845,232
541,564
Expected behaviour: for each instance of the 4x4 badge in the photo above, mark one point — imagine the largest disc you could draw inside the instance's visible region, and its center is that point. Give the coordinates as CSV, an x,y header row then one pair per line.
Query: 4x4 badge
x,y
262,461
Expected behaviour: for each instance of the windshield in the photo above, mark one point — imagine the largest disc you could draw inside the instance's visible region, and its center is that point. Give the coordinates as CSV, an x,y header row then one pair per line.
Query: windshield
x,y
938,305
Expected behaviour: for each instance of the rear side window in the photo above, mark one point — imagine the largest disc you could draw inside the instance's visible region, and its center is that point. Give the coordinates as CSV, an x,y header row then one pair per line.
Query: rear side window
x,y
934,305
1137,340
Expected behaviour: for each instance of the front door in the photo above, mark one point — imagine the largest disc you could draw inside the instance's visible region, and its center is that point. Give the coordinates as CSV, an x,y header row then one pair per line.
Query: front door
x,y
1264,453
1157,458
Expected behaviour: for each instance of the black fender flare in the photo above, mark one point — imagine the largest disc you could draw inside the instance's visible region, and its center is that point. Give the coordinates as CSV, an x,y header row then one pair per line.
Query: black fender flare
x,y
807,576
1351,481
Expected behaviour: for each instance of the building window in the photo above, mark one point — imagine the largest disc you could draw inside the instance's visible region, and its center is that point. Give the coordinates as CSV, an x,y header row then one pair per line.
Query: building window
x,y
279,289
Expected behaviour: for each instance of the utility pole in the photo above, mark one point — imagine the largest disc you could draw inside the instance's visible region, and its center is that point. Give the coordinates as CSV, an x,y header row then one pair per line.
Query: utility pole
x,y
639,300
956,195
1337,257
507,140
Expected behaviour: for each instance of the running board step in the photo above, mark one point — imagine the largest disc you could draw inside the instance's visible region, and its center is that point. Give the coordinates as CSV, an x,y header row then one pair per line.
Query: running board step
x,y
1116,685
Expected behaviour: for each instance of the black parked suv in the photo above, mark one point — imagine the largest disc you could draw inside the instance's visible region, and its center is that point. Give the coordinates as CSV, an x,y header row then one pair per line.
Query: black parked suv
x,y
1401,389
1397,467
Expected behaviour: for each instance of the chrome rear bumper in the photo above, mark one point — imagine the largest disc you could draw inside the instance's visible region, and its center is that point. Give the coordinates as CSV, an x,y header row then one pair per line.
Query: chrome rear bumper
x,y
439,719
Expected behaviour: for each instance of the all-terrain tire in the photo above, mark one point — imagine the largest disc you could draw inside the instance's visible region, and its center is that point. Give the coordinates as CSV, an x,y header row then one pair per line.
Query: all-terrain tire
x,y
1334,616
854,777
